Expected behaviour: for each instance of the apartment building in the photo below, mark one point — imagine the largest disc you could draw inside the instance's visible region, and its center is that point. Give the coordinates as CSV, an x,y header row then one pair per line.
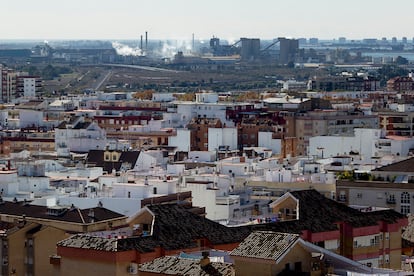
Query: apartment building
x,y
32,232
248,131
397,123
207,105
276,253
391,187
154,226
28,86
16,84
33,142
8,84
329,122
371,238
400,84
79,136
119,116
351,83
199,132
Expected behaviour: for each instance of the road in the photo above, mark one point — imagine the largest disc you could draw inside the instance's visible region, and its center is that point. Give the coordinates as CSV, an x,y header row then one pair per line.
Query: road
x,y
101,80
148,68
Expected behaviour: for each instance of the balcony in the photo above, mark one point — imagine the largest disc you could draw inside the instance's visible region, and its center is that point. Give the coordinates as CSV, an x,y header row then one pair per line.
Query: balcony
x,y
391,201
227,200
342,198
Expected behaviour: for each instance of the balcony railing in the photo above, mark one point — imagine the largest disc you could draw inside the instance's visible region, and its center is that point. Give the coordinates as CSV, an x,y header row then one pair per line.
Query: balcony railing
x,y
342,198
391,201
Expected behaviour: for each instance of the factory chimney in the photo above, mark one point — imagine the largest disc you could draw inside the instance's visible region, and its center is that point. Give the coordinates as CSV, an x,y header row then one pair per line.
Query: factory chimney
x,y
141,43
193,44
146,41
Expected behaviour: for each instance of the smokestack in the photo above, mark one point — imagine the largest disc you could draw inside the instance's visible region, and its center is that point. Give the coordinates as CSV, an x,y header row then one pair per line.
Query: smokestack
x,y
193,44
141,43
146,41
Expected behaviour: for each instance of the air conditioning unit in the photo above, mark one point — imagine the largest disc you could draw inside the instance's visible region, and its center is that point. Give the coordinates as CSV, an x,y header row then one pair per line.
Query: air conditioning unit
x,y
132,268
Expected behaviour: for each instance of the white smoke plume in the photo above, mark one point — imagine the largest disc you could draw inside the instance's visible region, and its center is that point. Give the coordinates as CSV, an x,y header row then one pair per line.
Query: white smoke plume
x,y
165,48
172,47
125,50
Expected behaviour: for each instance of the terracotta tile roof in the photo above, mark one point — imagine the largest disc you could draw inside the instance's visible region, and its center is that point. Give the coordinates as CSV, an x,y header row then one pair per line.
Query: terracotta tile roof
x,y
62,125
96,157
175,227
320,214
317,214
74,215
408,233
82,125
401,166
170,265
90,242
314,208
265,245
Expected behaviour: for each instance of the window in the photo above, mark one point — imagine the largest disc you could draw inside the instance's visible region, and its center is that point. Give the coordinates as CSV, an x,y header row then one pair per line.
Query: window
x,y
391,199
405,197
375,241
342,196
405,209
298,266
405,203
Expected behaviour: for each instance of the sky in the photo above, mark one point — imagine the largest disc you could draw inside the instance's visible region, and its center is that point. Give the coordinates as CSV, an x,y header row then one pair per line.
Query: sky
x,y
226,19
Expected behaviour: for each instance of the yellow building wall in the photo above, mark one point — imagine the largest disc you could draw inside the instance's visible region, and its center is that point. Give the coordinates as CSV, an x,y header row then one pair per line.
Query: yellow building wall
x,y
258,267
44,246
17,251
297,254
288,203
395,255
248,267
72,266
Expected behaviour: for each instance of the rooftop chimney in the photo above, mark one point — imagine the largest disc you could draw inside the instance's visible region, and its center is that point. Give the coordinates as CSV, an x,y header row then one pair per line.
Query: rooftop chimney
x,y
91,215
205,260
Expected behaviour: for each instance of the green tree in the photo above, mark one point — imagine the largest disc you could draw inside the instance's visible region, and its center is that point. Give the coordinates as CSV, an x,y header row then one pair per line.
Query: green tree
x,y
389,71
401,60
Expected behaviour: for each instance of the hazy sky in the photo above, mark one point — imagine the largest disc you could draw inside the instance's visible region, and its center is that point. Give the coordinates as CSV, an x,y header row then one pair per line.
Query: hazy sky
x,y
226,19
